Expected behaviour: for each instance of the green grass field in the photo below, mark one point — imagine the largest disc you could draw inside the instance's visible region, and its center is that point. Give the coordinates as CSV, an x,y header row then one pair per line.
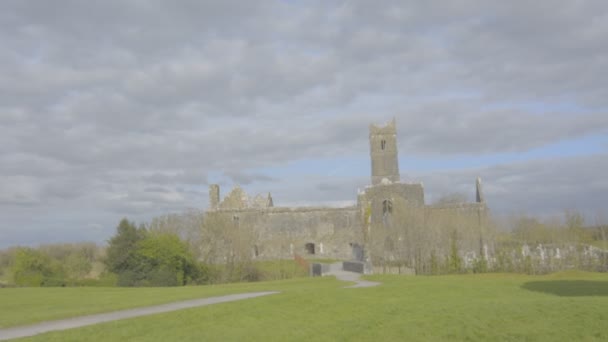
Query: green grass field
x,y
570,306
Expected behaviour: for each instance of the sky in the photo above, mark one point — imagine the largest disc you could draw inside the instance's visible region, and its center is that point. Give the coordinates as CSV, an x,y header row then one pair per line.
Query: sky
x,y
130,108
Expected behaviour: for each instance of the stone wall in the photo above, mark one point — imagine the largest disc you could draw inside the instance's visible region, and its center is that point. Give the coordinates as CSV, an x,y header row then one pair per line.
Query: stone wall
x,y
281,232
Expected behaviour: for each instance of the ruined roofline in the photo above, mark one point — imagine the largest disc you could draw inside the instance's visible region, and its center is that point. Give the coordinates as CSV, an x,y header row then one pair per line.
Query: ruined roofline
x,y
463,205
238,200
284,209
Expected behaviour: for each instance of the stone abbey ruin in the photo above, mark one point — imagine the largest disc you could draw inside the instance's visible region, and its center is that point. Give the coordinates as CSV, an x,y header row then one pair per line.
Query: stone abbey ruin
x,y
390,222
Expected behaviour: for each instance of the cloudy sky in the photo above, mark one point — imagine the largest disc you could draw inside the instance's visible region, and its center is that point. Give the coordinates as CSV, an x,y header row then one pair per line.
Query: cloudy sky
x,y
131,108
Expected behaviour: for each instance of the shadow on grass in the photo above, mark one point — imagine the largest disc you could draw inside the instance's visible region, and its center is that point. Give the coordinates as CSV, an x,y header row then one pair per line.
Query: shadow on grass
x,y
569,288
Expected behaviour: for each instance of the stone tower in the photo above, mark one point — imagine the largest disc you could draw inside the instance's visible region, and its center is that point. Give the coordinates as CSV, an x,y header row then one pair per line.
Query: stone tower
x,y
383,151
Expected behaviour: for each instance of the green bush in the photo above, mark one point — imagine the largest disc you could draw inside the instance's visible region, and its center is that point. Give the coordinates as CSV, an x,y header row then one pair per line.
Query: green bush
x,y
142,258
34,268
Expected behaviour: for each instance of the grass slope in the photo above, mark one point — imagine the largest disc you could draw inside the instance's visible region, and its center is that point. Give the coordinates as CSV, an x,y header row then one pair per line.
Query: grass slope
x,y
559,307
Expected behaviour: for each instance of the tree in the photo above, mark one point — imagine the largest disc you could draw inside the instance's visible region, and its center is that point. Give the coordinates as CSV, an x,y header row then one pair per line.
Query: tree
x,y
228,241
188,226
575,225
455,262
143,258
6,260
121,252
34,268
121,257
166,260
77,258
78,265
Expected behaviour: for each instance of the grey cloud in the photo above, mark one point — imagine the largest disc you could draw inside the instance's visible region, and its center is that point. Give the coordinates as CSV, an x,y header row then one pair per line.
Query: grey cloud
x,y
101,101
63,188
337,189
439,130
158,178
545,186
181,177
156,189
247,178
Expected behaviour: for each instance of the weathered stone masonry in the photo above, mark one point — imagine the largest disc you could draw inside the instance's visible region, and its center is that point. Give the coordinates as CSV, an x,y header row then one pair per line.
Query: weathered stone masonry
x,y
280,232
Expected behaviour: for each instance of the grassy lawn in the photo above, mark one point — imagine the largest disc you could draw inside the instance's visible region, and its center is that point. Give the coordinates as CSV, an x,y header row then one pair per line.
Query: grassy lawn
x,y
559,307
20,306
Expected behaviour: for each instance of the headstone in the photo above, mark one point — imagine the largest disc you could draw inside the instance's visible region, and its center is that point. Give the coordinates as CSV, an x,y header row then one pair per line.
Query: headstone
x,y
525,250
541,251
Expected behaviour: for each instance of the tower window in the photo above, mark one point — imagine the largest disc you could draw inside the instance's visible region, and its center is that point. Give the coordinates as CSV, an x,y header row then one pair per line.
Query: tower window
x,y
383,144
387,207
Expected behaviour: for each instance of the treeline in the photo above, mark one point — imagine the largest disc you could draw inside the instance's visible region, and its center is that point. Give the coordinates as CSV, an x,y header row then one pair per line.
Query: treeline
x,y
537,246
183,249
52,265
171,250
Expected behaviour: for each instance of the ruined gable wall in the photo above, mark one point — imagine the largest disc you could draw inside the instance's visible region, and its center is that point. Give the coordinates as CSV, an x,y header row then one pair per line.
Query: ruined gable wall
x,y
237,198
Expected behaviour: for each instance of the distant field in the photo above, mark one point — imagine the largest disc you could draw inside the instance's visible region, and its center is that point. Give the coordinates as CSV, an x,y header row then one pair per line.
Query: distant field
x,y
559,307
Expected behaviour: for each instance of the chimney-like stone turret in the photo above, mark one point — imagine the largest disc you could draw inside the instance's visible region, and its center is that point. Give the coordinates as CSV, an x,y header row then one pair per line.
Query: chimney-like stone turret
x,y
479,192
214,196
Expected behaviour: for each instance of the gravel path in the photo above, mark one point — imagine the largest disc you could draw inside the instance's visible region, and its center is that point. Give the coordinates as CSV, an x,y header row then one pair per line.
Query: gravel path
x,y
76,322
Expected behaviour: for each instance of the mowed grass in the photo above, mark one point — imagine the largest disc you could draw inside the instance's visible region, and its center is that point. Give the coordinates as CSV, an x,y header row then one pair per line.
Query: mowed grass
x,y
559,307
21,306
26,305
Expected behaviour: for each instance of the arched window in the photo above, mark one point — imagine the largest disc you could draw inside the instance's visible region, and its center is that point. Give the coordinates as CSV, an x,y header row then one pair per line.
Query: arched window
x,y
310,248
383,144
387,207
